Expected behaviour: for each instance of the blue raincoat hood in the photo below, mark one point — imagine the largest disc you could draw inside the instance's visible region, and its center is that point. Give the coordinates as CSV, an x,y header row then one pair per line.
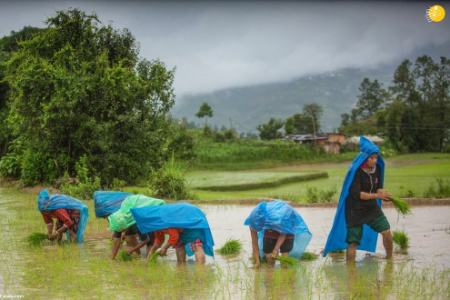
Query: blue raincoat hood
x,y
108,202
181,215
47,202
338,234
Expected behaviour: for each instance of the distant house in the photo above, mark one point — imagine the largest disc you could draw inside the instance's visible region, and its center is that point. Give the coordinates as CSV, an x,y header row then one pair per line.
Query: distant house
x,y
330,142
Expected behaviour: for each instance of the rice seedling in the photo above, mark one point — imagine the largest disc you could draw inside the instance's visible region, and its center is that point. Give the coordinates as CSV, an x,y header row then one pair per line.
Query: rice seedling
x,y
401,239
36,238
125,256
309,256
231,247
287,260
153,258
401,205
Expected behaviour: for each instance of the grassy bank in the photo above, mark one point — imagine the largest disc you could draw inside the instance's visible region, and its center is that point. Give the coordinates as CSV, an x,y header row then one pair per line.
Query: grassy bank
x,y
406,175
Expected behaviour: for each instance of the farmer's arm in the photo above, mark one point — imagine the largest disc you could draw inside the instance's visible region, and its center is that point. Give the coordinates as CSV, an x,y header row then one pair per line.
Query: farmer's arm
x,y
157,242
49,222
280,241
138,246
117,241
355,189
255,247
383,194
174,237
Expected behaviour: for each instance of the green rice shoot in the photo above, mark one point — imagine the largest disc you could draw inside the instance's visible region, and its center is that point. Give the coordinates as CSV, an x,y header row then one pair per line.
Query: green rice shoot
x,y
35,239
231,247
125,256
401,205
287,260
153,258
401,239
308,256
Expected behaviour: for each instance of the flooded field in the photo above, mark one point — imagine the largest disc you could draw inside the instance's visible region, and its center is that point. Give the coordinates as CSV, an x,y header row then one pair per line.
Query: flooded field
x,y
86,271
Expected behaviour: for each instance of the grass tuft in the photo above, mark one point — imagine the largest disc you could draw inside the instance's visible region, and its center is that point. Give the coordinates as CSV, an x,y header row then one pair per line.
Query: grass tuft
x,y
401,239
153,258
125,256
287,260
35,239
231,247
401,205
308,256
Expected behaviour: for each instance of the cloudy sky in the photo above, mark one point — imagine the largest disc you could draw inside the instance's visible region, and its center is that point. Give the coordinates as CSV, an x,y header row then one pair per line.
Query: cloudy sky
x,y
215,45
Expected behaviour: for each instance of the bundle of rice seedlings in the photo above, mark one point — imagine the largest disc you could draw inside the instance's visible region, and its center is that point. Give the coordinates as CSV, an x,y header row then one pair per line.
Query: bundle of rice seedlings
x,y
35,239
287,260
401,205
231,247
125,256
309,256
401,239
153,258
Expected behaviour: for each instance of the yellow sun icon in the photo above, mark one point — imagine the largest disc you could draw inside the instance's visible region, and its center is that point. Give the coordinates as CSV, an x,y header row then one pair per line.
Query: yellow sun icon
x,y
435,13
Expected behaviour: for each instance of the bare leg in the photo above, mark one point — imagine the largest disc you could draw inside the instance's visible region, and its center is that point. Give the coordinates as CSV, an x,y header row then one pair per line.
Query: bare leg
x,y
181,255
351,252
199,255
387,243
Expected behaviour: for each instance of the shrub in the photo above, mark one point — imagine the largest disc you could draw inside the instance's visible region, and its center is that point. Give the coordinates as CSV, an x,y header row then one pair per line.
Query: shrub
x,y
441,190
169,182
10,166
84,185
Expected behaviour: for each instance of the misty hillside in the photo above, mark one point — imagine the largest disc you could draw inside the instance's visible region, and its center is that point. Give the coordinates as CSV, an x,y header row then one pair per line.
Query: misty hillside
x,y
246,107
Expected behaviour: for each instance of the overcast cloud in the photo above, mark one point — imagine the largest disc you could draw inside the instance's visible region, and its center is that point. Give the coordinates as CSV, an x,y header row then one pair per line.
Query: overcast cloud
x,y
215,45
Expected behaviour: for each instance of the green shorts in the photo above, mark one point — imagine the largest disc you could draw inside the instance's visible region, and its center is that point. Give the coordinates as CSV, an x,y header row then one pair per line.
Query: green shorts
x,y
379,224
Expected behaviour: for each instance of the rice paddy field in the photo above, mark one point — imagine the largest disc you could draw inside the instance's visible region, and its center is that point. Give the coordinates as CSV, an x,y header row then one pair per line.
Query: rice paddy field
x,y
72,271
406,176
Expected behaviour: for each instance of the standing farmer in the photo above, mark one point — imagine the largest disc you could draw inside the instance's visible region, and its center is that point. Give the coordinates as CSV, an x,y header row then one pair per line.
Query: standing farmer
x,y
359,217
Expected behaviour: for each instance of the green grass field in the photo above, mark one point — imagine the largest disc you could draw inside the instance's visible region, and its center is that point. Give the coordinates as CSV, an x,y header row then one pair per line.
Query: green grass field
x,y
406,175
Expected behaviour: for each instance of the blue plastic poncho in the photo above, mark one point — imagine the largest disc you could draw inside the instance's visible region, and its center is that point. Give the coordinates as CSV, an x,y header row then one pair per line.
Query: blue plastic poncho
x,y
108,202
338,234
182,215
279,216
48,202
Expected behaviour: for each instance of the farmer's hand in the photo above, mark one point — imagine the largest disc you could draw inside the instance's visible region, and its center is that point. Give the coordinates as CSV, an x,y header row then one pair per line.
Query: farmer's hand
x,y
52,236
163,251
274,254
383,195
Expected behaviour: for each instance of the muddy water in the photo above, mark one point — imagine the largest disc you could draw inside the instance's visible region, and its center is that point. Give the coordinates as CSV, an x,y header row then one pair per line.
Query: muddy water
x,y
66,272
427,227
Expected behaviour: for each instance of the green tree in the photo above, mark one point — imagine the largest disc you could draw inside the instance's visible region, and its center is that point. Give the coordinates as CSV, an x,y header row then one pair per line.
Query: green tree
x,y
314,111
205,111
371,98
271,129
78,89
299,123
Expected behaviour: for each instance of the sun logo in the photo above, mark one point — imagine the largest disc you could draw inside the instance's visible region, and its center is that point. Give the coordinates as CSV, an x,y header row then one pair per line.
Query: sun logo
x,y
435,13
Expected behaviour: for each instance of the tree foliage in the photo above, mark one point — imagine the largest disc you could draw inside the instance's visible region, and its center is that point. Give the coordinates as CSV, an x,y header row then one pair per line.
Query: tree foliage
x,y
78,89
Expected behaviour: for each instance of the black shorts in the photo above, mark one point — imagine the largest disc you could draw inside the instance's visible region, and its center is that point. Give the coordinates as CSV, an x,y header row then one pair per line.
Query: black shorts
x,y
269,245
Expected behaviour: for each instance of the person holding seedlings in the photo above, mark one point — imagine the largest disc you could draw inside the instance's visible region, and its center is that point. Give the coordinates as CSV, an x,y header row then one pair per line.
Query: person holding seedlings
x,y
276,227
186,225
123,225
359,217
71,215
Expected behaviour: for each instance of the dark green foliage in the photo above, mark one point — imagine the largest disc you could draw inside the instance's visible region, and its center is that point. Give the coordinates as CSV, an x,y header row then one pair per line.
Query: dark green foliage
x,y
169,182
78,88
299,124
36,238
271,129
401,239
84,185
267,184
231,247
440,190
